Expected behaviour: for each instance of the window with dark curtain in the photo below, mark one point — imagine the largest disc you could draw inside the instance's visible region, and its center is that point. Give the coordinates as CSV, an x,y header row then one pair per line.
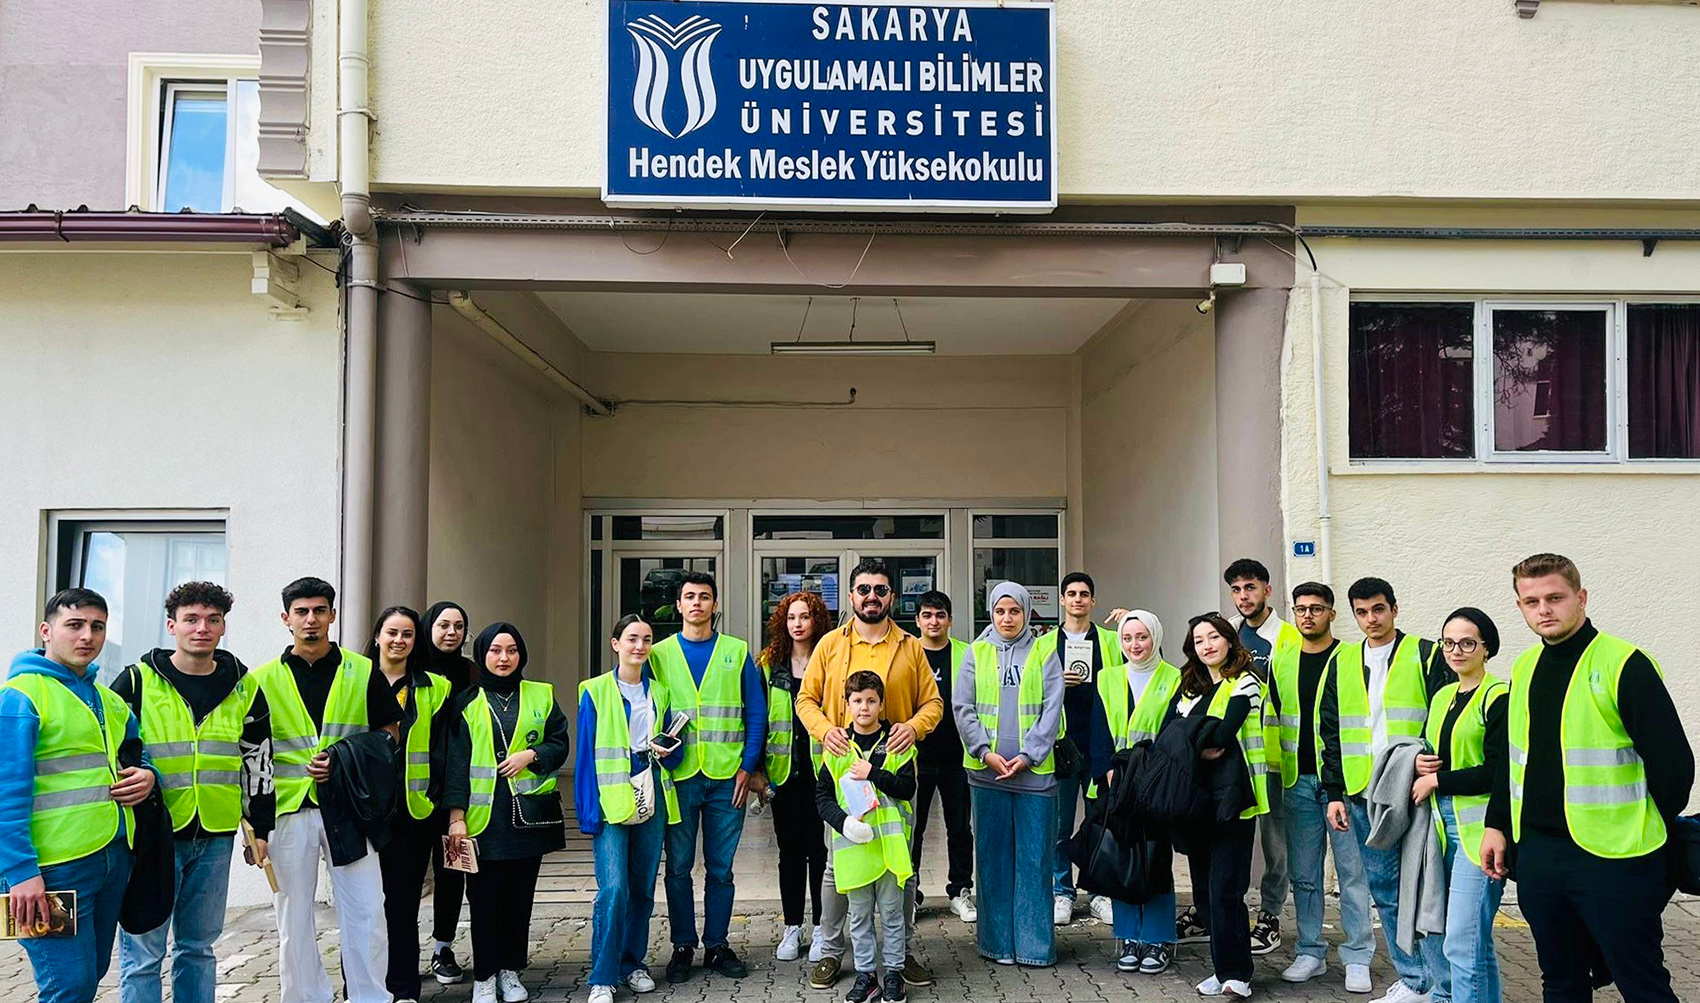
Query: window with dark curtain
x,y
1664,380
1549,382
1411,380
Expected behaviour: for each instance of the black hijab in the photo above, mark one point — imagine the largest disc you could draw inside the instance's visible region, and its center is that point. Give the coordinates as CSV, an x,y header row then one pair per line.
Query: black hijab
x,y
451,665
481,646
1484,625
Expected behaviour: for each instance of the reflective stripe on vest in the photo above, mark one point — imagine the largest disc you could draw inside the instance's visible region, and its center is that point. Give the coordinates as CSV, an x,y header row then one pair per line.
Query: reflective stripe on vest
x,y
1468,748
535,702
1251,742
781,728
427,704
714,739
200,767
1404,701
72,813
1607,807
1281,725
855,865
294,739
613,750
1128,730
1029,700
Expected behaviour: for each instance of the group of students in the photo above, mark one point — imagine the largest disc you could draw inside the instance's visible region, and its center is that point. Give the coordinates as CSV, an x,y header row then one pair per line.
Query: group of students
x,y
1433,780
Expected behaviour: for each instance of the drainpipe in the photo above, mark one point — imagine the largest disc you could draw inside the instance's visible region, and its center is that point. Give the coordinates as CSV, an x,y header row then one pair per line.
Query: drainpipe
x,y
465,306
360,367
1325,519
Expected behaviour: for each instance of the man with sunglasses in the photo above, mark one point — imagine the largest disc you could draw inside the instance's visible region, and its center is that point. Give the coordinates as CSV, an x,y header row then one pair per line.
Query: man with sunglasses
x,y
869,642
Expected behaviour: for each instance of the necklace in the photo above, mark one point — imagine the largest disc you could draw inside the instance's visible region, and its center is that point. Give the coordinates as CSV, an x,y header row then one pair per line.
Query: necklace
x,y
507,699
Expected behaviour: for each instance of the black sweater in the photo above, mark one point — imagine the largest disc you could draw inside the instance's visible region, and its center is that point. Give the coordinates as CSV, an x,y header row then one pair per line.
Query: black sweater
x,y
1474,780
1436,674
1649,718
545,828
898,785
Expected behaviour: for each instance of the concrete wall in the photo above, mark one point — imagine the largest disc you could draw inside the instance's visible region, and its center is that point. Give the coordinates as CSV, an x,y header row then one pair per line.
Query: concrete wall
x,y
1447,535
63,87
1253,101
944,427
1148,415
157,381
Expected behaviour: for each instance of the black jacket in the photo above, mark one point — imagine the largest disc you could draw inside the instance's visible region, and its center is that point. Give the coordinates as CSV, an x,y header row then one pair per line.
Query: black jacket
x,y
151,893
361,795
1173,783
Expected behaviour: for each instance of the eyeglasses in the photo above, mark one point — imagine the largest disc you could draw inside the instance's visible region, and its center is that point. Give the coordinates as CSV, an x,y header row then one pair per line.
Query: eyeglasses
x,y
1467,646
1310,610
878,590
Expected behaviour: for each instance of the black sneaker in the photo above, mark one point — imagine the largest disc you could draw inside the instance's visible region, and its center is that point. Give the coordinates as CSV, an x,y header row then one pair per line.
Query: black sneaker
x,y
724,961
1265,933
679,966
894,991
1132,953
1157,958
1188,930
445,969
867,988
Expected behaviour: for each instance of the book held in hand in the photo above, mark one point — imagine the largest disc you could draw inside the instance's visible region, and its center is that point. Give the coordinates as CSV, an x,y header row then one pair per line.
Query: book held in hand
x,y
460,855
61,918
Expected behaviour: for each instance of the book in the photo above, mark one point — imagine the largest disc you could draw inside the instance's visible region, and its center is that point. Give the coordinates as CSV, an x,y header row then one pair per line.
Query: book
x,y
460,855
248,839
61,918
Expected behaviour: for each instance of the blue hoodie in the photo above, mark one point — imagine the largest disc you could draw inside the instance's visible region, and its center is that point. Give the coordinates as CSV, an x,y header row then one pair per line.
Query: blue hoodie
x,y
19,725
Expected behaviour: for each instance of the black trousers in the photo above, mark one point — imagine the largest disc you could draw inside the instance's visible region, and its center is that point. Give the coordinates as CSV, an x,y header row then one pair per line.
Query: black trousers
x,y
501,895
1569,896
403,864
449,887
951,786
1220,857
802,844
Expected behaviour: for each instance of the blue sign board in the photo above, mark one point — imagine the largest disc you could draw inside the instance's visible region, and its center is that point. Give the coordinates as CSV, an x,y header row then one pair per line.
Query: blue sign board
x,y
733,104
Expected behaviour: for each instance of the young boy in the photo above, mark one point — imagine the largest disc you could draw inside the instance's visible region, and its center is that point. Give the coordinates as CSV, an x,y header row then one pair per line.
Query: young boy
x,y
870,853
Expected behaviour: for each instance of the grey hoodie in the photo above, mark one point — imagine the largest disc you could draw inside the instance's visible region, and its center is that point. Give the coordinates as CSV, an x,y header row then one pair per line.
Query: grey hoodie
x,y
1037,743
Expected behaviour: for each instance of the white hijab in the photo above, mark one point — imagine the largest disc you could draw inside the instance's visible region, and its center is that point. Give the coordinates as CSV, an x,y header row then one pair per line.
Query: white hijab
x,y
1155,626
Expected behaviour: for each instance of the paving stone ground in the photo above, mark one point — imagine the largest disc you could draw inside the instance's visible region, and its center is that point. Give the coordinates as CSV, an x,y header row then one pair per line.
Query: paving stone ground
x,y
1085,971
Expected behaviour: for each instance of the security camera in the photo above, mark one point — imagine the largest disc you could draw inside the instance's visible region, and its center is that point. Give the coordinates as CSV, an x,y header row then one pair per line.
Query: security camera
x,y
1207,304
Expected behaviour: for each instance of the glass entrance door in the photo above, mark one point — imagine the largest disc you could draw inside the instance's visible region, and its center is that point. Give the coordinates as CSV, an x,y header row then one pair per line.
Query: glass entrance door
x,y
649,584
781,575
912,573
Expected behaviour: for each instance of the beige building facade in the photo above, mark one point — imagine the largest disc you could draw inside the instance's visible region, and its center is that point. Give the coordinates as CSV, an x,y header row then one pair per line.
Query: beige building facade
x,y
546,408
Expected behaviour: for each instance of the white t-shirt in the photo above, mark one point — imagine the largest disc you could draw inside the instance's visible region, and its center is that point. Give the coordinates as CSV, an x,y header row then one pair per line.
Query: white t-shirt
x,y
1137,681
642,721
1380,664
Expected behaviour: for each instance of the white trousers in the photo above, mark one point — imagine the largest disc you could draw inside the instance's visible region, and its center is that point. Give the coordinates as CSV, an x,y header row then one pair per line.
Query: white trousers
x,y
358,890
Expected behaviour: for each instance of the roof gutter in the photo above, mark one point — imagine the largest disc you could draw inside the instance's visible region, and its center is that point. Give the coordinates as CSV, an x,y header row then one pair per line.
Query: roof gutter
x,y
138,227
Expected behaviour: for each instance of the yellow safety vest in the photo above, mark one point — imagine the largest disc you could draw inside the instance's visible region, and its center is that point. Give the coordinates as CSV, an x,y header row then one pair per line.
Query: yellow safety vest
x,y
1030,700
535,702
294,739
855,865
1128,730
200,767
1251,741
72,813
1468,748
781,728
428,702
1607,806
613,752
714,739
1405,702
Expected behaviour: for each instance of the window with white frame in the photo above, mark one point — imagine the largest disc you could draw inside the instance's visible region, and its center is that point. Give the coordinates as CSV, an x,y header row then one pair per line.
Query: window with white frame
x,y
195,136
134,563
1024,547
1523,380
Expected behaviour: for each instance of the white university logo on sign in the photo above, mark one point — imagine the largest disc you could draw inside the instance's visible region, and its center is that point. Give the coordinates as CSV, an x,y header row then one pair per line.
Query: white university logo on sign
x,y
657,43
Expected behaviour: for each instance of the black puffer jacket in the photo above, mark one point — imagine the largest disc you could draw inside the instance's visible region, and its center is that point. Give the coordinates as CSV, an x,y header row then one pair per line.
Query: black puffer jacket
x,y
361,795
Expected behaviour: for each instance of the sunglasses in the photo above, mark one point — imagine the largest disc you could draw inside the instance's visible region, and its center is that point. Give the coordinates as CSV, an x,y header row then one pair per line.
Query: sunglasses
x,y
877,590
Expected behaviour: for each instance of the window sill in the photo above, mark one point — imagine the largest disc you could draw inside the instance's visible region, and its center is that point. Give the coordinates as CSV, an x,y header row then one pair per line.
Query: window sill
x,y
1394,468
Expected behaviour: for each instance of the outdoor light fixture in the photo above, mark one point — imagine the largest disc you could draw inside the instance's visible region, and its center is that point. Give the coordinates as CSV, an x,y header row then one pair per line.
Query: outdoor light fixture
x,y
851,346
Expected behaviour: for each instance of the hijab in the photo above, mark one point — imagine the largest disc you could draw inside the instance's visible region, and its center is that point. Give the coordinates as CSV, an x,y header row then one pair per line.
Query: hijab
x,y
487,679
451,665
1012,652
1155,626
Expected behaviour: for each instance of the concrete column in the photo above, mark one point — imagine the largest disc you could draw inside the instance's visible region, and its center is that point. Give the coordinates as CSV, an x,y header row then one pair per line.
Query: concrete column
x,y
359,444
404,446
1249,329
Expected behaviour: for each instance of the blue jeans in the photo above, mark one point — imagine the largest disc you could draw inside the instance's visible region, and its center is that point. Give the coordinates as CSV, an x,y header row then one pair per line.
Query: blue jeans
x,y
1306,805
203,889
1014,837
68,969
1070,791
1472,899
704,805
1151,923
627,857
1428,973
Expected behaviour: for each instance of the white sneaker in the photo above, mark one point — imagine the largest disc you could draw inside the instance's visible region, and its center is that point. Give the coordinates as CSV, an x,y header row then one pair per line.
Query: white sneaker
x,y
1063,912
1304,968
1102,911
598,994
641,981
964,907
1357,979
1210,987
790,945
507,984
817,947
1402,993
484,991
1234,987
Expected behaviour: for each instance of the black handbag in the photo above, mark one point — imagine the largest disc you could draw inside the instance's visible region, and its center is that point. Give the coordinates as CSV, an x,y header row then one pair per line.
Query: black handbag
x,y
1066,758
1107,865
